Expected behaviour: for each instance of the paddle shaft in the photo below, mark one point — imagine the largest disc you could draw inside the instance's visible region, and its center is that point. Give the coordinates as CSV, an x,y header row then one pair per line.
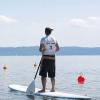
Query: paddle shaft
x,y
38,69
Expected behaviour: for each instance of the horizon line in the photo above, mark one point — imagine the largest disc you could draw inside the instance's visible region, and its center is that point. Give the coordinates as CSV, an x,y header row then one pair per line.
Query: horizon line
x,y
38,46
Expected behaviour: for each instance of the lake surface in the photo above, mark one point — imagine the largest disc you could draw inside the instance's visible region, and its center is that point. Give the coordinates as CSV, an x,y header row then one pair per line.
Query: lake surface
x,y
21,70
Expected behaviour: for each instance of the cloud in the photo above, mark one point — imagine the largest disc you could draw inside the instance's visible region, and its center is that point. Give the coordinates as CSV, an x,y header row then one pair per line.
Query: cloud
x,y
88,22
5,19
94,18
78,22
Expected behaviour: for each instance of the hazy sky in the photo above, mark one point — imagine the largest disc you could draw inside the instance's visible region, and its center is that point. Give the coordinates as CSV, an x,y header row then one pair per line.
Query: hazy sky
x,y
75,22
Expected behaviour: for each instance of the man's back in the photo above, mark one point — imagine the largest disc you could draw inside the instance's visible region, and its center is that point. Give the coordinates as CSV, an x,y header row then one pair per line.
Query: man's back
x,y
49,43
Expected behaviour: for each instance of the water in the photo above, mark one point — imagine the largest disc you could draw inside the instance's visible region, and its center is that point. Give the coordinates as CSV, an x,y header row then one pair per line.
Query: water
x,y
20,70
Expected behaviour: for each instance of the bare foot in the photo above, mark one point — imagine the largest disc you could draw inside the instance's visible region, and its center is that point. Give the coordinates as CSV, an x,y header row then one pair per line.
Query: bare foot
x,y
52,90
41,90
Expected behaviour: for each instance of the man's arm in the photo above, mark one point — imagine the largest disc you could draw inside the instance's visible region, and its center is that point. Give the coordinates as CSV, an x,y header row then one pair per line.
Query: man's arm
x,y
42,48
57,47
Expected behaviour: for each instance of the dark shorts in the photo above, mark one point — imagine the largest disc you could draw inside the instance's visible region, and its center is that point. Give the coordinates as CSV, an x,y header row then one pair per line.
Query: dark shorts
x,y
47,68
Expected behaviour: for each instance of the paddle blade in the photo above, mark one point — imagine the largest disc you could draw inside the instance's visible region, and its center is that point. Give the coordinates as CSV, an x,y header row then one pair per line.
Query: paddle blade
x,y
31,88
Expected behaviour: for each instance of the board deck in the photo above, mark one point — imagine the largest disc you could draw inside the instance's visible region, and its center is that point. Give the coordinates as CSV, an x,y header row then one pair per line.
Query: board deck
x,y
22,88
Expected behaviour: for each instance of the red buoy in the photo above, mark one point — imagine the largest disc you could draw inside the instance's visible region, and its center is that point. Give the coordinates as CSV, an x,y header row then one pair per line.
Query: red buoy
x,y
81,79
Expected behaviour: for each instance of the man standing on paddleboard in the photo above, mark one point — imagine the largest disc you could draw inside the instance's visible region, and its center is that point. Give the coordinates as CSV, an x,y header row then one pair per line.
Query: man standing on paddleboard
x,y
48,47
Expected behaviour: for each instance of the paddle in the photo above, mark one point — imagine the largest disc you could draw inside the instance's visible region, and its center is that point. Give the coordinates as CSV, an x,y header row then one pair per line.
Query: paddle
x,y
31,88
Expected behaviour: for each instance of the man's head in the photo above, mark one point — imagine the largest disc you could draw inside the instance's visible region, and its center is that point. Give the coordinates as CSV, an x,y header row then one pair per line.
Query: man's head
x,y
48,31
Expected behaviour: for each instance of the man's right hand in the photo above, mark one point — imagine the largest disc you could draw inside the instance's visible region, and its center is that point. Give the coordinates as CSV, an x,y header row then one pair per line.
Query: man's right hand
x,y
42,48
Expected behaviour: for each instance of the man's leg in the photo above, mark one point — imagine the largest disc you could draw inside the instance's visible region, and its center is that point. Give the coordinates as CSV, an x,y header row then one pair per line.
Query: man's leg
x,y
53,84
43,80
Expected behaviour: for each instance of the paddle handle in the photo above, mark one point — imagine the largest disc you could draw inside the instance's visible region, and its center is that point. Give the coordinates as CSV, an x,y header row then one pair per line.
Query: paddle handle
x,y
37,70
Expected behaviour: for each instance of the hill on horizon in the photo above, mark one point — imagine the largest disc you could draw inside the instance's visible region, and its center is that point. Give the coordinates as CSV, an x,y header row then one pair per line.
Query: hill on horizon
x,y
34,50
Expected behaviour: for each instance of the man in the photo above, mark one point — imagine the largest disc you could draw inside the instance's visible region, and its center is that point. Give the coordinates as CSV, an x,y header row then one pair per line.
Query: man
x,y
48,48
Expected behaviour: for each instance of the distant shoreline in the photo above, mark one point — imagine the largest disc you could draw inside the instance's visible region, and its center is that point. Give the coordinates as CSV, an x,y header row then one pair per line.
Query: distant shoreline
x,y
34,50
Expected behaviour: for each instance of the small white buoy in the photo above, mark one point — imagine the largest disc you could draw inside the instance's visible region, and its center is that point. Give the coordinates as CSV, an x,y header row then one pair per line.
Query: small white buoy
x,y
35,64
4,66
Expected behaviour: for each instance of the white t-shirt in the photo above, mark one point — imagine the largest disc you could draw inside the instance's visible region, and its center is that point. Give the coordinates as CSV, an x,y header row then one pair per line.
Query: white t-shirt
x,y
50,45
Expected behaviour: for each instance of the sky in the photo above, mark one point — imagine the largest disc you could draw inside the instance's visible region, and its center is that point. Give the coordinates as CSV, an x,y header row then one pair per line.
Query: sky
x,y
75,22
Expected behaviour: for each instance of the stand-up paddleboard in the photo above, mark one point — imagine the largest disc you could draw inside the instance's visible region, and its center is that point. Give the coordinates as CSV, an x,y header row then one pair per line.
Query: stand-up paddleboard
x,y
47,93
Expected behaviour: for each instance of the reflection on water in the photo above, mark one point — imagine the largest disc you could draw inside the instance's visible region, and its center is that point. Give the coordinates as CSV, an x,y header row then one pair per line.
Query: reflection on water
x,y
42,98
47,98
